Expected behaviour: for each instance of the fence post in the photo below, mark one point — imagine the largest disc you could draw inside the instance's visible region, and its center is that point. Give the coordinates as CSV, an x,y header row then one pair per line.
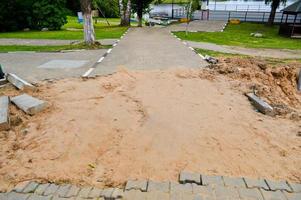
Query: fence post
x,y
229,16
246,16
263,16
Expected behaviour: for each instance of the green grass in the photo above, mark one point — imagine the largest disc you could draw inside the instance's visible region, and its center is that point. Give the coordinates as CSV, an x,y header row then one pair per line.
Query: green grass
x,y
217,53
7,48
102,31
239,35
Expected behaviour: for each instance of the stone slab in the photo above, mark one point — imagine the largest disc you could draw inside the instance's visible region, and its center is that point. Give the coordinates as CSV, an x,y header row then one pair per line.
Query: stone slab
x,y
17,196
135,195
29,104
234,182
117,193
39,197
107,193
21,186
41,188
158,186
295,186
250,194
95,193
212,180
51,189
226,193
260,105
256,183
273,195
74,190
19,83
63,190
157,195
4,113
292,196
188,177
63,64
84,192
31,187
278,185
176,187
205,192
136,185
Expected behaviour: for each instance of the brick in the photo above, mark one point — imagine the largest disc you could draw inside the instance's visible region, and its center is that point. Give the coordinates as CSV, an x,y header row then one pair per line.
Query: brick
x,y
224,193
95,192
136,185
293,196
29,104
51,189
31,187
84,192
21,186
250,194
74,190
63,190
278,185
295,186
4,113
186,188
135,195
158,186
205,192
256,183
273,195
19,83
260,105
234,182
117,193
212,180
188,177
41,188
39,197
17,196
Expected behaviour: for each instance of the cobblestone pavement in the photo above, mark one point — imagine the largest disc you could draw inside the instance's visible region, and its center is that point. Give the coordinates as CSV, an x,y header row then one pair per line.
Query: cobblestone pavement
x,y
191,186
47,42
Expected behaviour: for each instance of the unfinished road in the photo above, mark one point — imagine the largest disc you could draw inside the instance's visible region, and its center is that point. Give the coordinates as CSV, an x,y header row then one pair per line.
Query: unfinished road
x,y
149,49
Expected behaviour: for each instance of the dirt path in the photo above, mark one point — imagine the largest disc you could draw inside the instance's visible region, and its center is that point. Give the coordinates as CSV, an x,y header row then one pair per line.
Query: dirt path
x,y
273,53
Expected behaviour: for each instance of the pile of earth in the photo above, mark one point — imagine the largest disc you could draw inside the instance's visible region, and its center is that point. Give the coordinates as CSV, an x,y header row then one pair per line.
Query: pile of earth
x,y
275,83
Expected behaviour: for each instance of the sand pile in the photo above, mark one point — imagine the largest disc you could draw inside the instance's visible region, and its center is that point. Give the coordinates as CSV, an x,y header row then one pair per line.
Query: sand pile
x,y
147,125
275,84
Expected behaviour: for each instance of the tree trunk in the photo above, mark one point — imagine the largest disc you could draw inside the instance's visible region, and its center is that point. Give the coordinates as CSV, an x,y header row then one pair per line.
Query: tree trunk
x,y
125,13
140,13
121,12
89,34
272,16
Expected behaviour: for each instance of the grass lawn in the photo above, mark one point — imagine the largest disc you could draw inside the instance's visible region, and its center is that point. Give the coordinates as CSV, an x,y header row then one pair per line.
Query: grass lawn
x,y
239,35
102,31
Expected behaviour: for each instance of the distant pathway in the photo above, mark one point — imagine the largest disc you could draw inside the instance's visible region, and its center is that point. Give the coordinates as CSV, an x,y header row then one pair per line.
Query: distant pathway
x,y
272,53
148,49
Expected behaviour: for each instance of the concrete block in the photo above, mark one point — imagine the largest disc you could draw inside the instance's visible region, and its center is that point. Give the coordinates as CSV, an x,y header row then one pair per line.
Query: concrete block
x,y
206,192
157,195
273,195
41,188
256,183
212,180
107,193
20,186
234,182
278,185
17,196
184,188
51,189
136,185
117,193
135,195
39,197
222,193
250,194
74,190
261,105
31,187
19,83
63,190
4,113
158,186
29,104
292,196
295,186
95,193
84,192
187,177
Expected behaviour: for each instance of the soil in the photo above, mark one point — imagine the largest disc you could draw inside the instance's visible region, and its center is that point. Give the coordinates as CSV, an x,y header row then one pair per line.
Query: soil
x,y
152,125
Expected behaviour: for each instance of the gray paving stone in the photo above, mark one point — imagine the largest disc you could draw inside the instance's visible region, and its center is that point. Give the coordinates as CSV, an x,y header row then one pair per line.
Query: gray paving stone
x,y
136,185
84,192
188,177
3,196
226,193
19,83
39,197
278,185
212,180
185,188
158,186
273,195
204,192
17,196
256,183
29,104
117,193
157,195
41,188
295,186
4,113
63,190
183,196
107,193
293,196
31,187
250,194
21,186
51,189
135,195
74,190
95,193
234,182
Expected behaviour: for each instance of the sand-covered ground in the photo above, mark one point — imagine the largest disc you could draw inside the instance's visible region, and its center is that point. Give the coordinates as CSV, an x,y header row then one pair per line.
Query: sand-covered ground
x,y
151,125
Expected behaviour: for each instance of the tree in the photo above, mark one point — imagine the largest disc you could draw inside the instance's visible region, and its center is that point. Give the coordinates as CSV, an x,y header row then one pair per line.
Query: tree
x,y
89,34
274,5
108,8
125,12
140,7
191,6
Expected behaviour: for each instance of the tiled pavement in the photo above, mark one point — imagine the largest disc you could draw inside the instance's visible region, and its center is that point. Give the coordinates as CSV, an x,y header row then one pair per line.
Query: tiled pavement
x,y
191,186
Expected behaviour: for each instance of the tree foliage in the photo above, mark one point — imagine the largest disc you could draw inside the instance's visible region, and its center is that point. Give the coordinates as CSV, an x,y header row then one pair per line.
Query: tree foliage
x,y
108,8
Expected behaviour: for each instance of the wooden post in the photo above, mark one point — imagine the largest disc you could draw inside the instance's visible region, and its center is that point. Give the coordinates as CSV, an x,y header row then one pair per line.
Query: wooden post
x,y
292,33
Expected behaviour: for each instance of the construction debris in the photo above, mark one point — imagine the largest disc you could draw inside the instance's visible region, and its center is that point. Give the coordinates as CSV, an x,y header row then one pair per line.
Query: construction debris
x,y
19,83
4,113
2,75
29,104
211,60
261,105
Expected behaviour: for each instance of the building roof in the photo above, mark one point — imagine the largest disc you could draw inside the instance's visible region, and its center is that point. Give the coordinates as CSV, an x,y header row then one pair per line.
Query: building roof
x,y
293,8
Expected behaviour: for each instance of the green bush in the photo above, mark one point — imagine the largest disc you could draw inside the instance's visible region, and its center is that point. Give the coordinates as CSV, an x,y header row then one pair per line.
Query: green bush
x,y
108,8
